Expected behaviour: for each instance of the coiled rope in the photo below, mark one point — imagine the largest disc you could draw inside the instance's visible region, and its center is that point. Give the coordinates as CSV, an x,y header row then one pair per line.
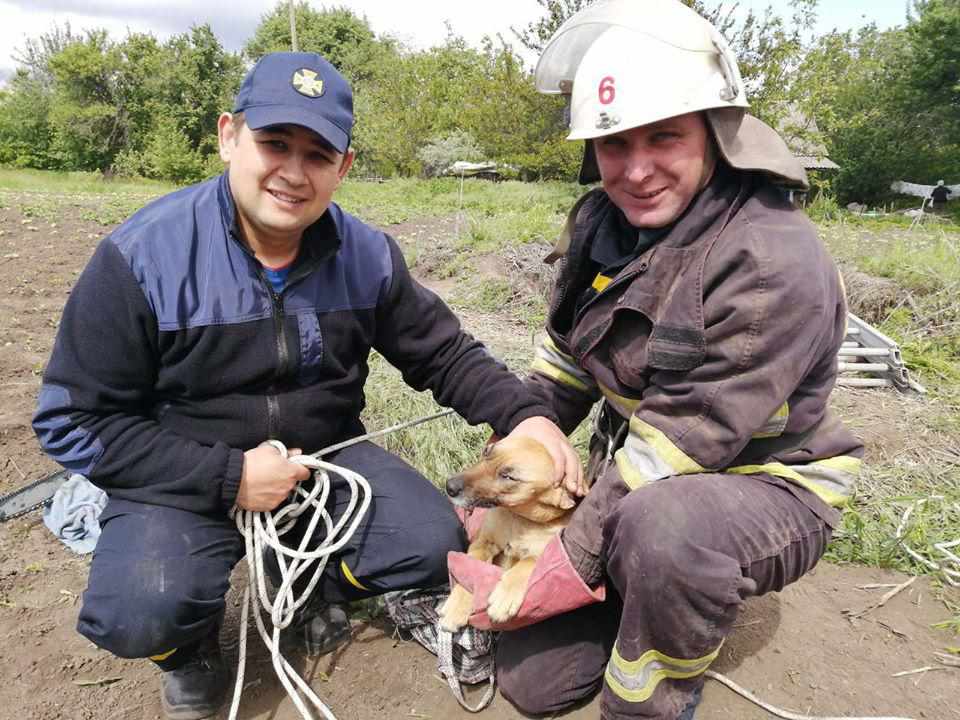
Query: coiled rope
x,y
261,530
264,529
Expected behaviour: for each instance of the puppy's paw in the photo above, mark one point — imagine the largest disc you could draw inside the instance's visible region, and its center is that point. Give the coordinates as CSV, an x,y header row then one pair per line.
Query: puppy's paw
x,y
505,601
455,611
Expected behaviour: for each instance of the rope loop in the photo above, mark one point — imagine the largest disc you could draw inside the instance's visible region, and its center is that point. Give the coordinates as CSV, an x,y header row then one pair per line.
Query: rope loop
x,y
262,530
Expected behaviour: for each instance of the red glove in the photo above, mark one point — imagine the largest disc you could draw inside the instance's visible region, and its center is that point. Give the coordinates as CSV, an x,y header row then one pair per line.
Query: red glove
x,y
554,587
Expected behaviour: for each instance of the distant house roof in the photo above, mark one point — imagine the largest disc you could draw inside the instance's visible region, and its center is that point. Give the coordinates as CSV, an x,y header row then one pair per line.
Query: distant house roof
x,y
802,136
811,162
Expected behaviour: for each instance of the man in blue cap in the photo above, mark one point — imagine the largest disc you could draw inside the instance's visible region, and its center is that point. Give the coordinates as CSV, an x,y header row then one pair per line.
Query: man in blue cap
x,y
239,310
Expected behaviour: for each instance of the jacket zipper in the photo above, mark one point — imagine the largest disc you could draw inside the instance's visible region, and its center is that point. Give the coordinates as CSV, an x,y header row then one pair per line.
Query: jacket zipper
x,y
283,357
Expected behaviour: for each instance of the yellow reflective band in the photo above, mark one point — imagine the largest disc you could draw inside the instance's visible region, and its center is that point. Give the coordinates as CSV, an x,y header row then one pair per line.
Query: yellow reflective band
x,y
561,376
636,680
350,578
162,656
623,405
829,496
681,463
628,473
843,463
548,341
600,282
776,424
648,455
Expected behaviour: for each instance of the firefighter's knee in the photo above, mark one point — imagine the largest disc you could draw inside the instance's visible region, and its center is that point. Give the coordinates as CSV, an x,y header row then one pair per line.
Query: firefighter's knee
x,y
525,694
666,540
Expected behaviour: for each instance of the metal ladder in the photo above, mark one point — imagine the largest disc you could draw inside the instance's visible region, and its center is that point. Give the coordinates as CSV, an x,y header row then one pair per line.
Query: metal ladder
x,y
869,359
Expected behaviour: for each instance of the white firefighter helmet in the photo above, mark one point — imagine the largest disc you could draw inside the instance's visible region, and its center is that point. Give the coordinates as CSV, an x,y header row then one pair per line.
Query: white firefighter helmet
x,y
628,63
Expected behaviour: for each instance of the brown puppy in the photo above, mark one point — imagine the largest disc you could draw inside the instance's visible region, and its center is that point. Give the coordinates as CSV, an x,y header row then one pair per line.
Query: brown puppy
x,y
515,479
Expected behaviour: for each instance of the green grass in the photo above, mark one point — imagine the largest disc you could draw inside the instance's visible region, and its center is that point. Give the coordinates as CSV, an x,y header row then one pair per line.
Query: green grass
x,y
438,449
924,264
495,215
42,194
48,181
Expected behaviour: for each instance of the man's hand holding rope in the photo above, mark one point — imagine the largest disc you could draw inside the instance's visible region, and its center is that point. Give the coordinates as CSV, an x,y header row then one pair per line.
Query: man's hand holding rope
x,y
268,478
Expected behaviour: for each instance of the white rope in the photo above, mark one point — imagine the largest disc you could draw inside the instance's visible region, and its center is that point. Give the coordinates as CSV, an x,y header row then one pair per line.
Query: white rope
x,y
264,529
785,714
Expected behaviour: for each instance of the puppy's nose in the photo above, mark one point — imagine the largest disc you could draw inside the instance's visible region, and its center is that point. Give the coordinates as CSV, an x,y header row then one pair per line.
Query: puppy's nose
x,y
455,485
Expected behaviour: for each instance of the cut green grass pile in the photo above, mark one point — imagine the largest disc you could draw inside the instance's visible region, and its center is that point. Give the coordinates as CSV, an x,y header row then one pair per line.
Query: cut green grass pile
x,y
922,312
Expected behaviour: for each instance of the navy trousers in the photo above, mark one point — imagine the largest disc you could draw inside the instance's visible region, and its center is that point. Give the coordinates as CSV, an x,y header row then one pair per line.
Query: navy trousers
x,y
160,575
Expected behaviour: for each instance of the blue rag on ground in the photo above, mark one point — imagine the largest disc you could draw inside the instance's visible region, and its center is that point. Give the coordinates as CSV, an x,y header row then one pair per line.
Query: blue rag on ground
x,y
74,514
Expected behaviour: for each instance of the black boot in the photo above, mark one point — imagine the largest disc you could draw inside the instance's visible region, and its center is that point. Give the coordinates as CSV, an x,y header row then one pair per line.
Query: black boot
x,y
323,627
194,685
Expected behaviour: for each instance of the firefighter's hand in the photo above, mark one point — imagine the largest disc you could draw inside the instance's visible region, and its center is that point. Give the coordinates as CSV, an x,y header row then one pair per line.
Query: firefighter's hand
x,y
268,478
569,472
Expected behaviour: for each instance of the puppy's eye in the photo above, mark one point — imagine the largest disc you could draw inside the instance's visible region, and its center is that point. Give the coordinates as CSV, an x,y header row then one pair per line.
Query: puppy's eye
x,y
507,474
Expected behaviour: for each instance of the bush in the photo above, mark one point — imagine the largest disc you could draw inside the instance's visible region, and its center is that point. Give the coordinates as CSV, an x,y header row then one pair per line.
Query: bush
x,y
441,152
130,163
169,155
554,159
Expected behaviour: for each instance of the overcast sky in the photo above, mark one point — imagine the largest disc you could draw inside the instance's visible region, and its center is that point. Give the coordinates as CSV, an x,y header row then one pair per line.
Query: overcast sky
x,y
420,23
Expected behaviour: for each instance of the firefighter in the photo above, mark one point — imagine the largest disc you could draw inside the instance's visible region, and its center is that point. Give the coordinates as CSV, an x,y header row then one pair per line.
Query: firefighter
x,y
704,314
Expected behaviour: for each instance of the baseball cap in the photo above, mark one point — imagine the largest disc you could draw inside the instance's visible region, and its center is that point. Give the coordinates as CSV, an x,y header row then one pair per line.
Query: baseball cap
x,y
298,88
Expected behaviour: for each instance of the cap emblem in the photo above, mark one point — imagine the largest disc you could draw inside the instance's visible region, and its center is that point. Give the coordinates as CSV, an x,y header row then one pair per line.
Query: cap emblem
x,y
307,82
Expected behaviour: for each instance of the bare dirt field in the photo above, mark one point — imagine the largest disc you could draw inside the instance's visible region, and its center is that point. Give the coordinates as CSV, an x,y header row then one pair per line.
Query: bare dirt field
x,y
797,650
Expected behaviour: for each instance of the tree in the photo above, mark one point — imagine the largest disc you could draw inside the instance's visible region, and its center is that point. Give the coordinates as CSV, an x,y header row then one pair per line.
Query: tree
x,y
337,34
536,35
26,138
933,33
88,132
34,59
885,102
198,81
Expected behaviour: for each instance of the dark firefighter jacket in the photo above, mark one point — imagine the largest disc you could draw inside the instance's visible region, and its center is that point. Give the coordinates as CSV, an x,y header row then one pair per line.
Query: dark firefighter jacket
x,y
717,347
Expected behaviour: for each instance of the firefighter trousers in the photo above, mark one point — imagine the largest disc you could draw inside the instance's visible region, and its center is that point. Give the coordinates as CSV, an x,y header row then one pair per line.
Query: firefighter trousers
x,y
681,556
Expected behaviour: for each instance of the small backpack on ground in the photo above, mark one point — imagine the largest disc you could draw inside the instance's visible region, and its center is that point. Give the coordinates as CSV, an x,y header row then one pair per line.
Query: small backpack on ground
x,y
464,656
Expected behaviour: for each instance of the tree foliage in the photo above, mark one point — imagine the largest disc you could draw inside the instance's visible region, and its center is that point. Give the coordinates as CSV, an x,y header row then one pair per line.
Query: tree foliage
x,y
536,35
89,103
887,103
